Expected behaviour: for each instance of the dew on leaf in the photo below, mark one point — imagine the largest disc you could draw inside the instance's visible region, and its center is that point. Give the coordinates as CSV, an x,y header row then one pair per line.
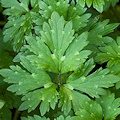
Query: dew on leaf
x,y
81,115
49,7
28,99
62,58
103,76
118,53
38,83
76,53
92,114
96,86
53,56
52,31
91,105
109,108
12,7
20,83
49,100
78,59
16,72
70,97
30,106
83,78
63,32
42,98
33,75
99,36
108,53
112,71
58,3
112,58
74,8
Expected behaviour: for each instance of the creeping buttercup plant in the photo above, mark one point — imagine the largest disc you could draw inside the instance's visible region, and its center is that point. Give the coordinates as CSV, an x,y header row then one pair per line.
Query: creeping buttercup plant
x,y
59,60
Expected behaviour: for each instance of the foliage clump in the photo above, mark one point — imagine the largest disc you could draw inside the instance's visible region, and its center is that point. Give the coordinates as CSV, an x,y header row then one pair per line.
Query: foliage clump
x,y
59,59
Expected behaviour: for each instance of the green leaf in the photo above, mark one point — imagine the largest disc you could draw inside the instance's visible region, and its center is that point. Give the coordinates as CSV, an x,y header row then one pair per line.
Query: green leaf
x,y
37,21
14,30
73,57
47,97
110,53
36,117
94,84
89,2
32,83
19,21
84,70
70,99
2,103
42,55
77,16
115,69
14,8
97,34
90,110
110,106
64,118
36,77
97,4
58,50
70,12
48,7
5,113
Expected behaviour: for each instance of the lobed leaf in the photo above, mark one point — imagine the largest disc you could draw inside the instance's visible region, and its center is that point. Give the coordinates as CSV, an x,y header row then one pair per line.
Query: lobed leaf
x,y
97,4
48,7
19,21
110,106
94,84
22,27
70,99
15,8
56,50
34,84
47,97
84,70
21,78
90,110
110,53
70,12
97,35
64,118
36,117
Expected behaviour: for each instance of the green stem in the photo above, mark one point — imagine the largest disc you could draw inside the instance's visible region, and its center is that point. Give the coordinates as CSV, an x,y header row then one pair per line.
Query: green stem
x,y
59,79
